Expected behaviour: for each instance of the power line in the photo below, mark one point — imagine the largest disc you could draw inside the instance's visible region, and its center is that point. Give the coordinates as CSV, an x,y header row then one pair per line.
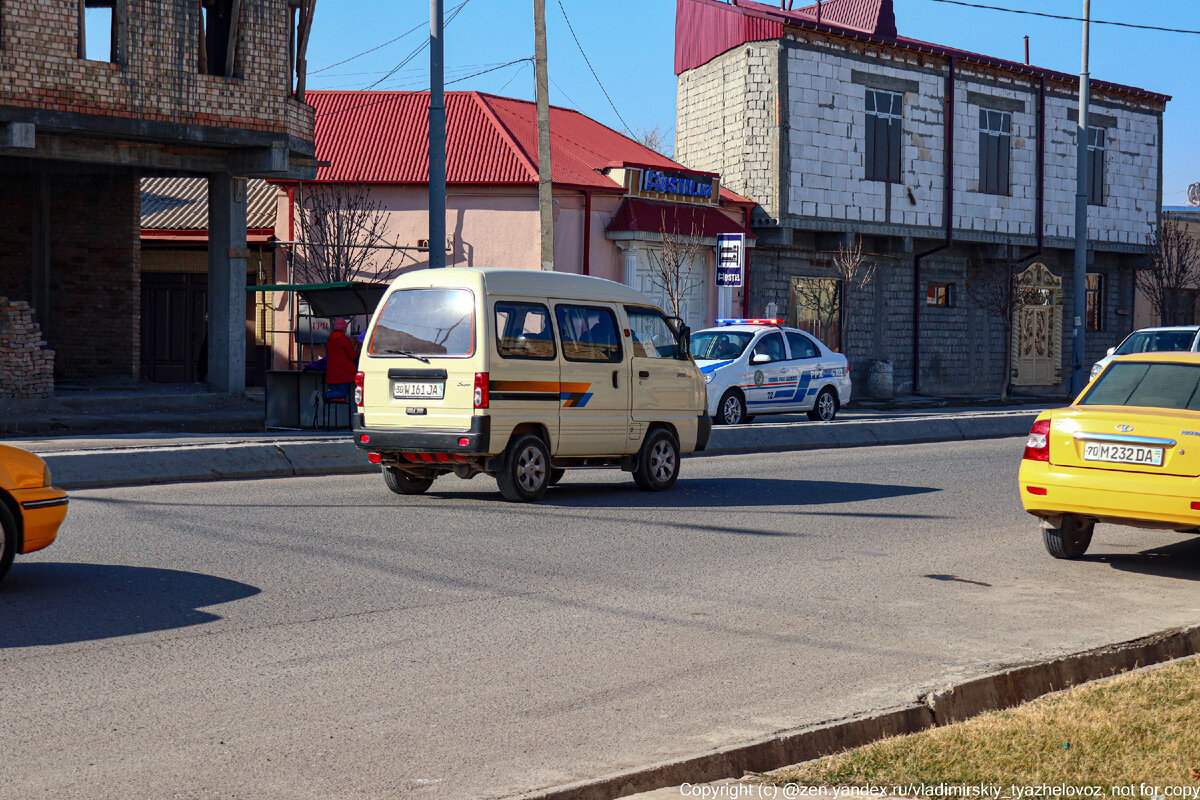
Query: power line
x,y
365,52
417,51
571,28
564,94
1067,17
510,80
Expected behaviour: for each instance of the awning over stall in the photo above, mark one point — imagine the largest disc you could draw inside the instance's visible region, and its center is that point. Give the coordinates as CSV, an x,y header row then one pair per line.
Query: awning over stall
x,y
344,299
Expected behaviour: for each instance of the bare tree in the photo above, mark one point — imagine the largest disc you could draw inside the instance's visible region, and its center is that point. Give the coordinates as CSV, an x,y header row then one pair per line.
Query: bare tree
x,y
994,286
657,139
674,269
1174,269
828,299
342,230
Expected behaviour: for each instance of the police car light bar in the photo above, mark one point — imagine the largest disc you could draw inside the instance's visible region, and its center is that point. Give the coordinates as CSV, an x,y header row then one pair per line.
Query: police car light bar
x,y
750,321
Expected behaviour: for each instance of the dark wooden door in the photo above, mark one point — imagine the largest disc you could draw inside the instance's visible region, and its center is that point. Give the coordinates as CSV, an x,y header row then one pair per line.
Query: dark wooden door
x,y
173,326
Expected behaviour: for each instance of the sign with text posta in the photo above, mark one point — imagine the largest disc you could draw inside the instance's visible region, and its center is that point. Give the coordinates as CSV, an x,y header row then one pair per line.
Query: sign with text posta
x,y
731,259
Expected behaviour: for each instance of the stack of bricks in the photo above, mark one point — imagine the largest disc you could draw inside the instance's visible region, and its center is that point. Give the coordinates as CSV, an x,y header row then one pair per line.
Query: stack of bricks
x,y
26,365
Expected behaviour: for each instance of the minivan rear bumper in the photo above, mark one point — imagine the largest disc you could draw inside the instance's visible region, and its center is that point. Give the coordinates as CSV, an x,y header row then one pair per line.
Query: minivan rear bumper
x,y
477,438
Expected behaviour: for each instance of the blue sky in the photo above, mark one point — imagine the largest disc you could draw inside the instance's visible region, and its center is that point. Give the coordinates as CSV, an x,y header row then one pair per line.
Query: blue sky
x,y
631,46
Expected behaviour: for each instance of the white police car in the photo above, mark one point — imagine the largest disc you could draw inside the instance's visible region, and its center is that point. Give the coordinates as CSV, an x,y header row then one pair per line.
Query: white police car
x,y
755,366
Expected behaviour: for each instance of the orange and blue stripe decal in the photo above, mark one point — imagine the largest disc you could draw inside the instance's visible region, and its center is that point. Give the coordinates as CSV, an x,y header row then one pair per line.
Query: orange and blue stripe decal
x,y
572,395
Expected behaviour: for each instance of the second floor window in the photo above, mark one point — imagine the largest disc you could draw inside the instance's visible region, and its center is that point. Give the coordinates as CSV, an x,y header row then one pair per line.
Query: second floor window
x,y
1096,146
219,36
995,147
102,30
1095,301
885,115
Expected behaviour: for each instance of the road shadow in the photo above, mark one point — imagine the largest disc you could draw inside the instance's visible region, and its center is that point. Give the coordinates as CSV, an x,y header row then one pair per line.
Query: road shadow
x,y
702,493
1180,560
57,603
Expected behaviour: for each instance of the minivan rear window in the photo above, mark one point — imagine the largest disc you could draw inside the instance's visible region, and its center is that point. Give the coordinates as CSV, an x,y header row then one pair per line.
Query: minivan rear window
x,y
425,322
1132,383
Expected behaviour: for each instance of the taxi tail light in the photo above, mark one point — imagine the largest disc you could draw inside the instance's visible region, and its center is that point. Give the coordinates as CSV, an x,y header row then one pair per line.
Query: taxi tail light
x,y
1196,505
359,379
1037,446
481,390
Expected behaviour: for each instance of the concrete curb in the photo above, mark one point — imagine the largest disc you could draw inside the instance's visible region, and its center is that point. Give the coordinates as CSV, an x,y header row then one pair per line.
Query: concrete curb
x,y
275,458
999,690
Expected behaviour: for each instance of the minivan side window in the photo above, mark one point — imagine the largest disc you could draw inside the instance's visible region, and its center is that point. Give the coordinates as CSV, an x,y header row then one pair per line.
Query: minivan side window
x,y
772,345
801,345
523,331
653,336
588,333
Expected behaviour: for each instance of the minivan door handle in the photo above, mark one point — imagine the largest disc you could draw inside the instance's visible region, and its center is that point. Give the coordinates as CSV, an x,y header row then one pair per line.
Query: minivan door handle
x,y
616,385
643,374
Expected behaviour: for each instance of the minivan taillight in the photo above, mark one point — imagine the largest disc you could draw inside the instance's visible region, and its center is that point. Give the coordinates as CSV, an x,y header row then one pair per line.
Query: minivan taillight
x,y
358,389
481,390
1037,447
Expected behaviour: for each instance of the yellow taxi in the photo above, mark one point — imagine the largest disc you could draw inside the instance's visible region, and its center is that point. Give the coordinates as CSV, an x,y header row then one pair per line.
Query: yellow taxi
x,y
30,508
1127,452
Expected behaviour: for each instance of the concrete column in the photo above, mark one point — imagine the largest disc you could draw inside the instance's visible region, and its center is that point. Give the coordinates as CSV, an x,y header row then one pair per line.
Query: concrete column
x,y
227,255
39,278
631,252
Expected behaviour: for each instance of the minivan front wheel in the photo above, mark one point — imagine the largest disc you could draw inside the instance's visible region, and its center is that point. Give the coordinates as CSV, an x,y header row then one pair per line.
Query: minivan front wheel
x,y
658,462
524,475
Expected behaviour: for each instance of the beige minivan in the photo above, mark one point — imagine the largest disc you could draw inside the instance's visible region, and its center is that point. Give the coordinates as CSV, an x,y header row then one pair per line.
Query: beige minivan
x,y
523,374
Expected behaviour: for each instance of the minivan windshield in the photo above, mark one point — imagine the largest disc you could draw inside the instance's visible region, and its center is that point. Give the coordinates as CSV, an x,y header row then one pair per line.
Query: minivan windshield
x,y
719,345
425,322
1156,342
1133,383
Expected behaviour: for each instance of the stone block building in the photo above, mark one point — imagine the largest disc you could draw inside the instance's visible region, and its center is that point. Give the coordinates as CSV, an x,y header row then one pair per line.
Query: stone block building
x,y
839,128
93,97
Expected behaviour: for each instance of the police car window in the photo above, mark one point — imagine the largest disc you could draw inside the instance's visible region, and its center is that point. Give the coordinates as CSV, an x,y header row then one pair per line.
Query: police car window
x,y
722,345
588,333
651,334
523,331
801,345
771,345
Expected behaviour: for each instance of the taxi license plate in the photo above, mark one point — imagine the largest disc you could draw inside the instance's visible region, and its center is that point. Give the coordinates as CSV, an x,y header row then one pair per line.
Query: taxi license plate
x,y
410,390
1123,454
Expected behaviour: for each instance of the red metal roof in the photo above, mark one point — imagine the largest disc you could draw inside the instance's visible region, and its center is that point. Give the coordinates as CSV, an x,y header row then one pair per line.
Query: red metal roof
x,y
704,29
382,137
652,216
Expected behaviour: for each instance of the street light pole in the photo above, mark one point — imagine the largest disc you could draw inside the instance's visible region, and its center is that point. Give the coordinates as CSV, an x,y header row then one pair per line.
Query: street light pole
x,y
1081,215
437,137
545,182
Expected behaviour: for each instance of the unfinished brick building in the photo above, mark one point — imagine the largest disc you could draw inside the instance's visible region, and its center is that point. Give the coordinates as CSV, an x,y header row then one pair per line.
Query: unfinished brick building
x,y
94,95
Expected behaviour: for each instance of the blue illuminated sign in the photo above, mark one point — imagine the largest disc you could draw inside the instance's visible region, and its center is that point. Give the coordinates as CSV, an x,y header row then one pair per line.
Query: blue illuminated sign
x,y
675,183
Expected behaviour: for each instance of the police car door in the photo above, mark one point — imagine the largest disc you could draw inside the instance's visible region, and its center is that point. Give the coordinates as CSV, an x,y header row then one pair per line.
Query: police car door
x,y
806,360
767,370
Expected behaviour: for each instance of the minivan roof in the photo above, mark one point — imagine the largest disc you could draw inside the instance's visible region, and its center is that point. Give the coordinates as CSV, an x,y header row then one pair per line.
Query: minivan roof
x,y
526,283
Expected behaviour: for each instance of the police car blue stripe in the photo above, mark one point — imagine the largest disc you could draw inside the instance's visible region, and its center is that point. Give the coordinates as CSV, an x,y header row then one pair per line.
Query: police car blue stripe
x,y
710,367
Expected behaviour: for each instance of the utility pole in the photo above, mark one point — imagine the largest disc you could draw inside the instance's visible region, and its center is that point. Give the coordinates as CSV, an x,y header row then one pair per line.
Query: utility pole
x,y
1081,215
545,185
437,137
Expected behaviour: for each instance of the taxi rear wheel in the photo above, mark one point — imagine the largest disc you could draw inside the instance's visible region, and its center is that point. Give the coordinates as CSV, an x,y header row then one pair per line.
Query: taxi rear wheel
x,y
8,539
402,482
1070,539
732,408
524,475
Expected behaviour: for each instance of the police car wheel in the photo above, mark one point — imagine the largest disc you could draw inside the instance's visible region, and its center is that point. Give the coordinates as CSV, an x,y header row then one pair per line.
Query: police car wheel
x,y
525,473
658,462
826,407
732,408
402,482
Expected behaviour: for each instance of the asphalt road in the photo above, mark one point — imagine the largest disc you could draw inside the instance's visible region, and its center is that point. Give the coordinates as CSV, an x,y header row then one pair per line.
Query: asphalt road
x,y
323,638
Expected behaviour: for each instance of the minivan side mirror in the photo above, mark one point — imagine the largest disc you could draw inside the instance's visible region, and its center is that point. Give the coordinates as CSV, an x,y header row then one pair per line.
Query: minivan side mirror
x,y
685,342
1112,350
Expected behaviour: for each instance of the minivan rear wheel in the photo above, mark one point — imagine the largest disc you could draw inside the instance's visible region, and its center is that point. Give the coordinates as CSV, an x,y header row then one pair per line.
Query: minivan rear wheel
x,y
402,482
524,474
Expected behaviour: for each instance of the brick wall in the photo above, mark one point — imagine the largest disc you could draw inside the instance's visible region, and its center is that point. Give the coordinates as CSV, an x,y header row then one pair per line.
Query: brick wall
x,y
95,270
26,364
39,67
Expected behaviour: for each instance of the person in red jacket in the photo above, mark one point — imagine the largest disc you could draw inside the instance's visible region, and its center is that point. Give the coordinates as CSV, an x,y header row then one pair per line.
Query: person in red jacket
x,y
341,362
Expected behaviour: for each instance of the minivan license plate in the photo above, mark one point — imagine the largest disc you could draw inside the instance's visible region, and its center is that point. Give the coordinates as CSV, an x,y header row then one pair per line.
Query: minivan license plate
x,y
408,390
1123,454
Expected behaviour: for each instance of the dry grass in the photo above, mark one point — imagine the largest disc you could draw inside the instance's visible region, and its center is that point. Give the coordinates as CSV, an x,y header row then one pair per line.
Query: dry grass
x,y
1140,728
